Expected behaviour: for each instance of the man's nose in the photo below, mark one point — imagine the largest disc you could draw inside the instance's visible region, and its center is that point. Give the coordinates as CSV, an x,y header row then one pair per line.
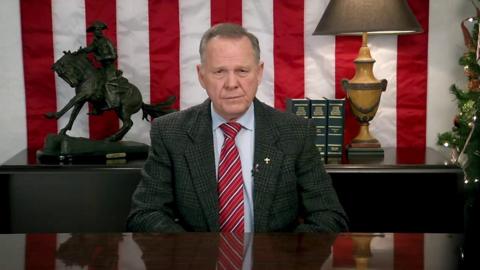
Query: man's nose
x,y
231,81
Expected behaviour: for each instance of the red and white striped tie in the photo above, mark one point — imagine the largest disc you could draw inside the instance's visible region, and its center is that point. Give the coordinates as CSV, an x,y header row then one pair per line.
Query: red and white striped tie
x,y
230,182
230,248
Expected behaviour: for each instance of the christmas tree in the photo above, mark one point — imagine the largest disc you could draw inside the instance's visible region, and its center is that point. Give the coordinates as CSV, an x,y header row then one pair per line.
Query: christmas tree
x,y
464,138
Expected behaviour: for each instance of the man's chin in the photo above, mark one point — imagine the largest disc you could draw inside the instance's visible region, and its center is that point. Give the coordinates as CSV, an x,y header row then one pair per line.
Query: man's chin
x,y
235,113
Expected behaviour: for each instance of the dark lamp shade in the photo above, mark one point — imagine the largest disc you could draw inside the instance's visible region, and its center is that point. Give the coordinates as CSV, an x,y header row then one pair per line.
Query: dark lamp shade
x,y
353,17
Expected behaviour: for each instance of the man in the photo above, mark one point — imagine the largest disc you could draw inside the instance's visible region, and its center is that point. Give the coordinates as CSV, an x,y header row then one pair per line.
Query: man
x,y
265,160
105,53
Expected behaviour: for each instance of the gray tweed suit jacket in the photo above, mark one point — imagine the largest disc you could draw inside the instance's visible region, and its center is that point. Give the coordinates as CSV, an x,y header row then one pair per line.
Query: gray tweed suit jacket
x,y
178,190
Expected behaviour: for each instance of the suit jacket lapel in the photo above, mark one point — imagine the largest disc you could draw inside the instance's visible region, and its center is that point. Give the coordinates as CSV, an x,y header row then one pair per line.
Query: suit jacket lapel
x,y
202,170
267,161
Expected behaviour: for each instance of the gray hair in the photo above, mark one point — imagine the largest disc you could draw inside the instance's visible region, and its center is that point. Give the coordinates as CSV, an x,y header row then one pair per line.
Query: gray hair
x,y
228,30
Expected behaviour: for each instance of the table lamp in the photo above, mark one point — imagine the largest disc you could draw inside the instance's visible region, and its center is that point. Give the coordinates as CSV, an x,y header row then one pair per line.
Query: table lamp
x,y
363,91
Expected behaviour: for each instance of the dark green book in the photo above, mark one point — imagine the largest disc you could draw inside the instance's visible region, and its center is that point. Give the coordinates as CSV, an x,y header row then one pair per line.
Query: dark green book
x,y
299,106
335,127
318,114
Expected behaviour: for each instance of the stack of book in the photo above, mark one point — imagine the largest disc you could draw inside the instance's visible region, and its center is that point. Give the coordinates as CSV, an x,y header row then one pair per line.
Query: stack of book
x,y
328,116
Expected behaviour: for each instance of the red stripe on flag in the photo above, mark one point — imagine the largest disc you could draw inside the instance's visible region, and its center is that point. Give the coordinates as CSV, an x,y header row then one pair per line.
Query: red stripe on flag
x,y
412,67
343,252
288,51
411,155
106,124
40,94
226,11
40,251
408,251
164,27
346,51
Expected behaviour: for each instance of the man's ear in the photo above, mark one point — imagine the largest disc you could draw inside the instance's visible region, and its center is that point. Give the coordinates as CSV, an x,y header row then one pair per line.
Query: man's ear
x,y
260,72
200,75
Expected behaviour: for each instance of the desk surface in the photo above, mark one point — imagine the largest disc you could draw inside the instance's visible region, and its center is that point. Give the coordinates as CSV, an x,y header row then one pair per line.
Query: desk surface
x,y
394,160
201,251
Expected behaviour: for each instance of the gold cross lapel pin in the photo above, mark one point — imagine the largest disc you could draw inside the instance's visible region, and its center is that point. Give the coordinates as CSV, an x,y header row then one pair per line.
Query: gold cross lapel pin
x,y
267,160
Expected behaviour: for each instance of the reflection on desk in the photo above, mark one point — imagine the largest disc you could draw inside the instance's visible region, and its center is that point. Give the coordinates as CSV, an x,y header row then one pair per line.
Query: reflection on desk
x,y
201,251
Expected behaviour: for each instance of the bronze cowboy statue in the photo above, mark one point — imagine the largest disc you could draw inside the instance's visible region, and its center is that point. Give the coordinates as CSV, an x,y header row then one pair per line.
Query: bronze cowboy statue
x,y
105,53
105,87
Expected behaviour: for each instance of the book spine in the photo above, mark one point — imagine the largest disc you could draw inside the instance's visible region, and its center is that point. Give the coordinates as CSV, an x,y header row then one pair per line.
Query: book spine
x,y
335,124
318,114
299,107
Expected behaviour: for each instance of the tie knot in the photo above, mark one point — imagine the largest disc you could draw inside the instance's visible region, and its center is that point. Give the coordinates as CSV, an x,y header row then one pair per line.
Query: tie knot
x,y
231,129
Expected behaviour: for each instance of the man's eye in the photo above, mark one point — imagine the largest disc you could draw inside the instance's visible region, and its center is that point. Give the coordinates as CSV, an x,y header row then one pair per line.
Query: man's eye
x,y
218,72
243,72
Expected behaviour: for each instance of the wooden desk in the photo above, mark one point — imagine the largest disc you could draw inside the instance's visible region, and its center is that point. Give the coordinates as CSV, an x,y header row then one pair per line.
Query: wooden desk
x,y
407,191
201,251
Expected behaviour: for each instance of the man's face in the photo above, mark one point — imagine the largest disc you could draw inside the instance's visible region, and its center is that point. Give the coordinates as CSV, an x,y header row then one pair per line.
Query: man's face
x,y
230,74
97,32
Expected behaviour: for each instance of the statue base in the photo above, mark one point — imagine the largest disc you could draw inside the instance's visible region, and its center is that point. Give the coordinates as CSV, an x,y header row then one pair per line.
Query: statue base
x,y
364,154
59,149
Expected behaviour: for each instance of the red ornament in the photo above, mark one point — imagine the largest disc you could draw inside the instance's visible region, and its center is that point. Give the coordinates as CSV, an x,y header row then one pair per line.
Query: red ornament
x,y
456,121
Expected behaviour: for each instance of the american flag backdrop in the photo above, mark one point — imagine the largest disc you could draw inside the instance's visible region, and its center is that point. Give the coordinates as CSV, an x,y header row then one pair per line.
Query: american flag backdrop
x,y
157,43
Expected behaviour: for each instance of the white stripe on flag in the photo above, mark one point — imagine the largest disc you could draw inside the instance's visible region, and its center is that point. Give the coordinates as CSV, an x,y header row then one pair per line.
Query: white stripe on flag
x,y
319,55
445,46
69,33
328,264
130,254
12,91
59,264
442,246
12,251
194,20
134,57
382,252
384,125
258,19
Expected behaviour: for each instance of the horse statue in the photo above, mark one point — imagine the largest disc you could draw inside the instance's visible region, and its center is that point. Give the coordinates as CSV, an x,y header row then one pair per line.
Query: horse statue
x,y
91,86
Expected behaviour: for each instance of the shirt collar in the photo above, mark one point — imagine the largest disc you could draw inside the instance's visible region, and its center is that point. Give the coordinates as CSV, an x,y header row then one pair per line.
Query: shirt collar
x,y
246,120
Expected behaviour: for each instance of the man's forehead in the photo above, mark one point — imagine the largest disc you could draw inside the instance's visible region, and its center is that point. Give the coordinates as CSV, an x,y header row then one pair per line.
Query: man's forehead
x,y
228,47
221,40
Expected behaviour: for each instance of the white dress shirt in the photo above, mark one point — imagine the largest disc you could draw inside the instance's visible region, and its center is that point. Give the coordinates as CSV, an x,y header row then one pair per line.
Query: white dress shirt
x,y
245,144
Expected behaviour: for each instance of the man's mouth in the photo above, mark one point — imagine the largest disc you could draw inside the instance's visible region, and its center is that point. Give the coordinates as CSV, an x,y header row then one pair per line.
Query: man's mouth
x,y
236,97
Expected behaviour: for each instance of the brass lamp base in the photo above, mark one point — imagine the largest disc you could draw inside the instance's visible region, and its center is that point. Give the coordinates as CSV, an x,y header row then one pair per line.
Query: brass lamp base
x,y
364,154
363,92
364,146
364,139
362,250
